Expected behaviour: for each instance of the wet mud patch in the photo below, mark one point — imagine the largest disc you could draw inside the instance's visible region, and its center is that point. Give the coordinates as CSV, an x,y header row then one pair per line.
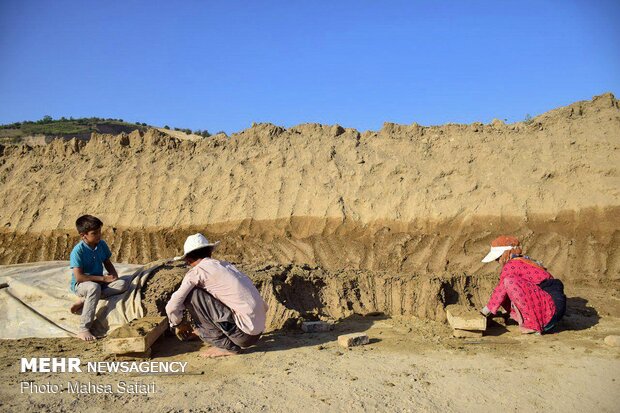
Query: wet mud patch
x,y
160,286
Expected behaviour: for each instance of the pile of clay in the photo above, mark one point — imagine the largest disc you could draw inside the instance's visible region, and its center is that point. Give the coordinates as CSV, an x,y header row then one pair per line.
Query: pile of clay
x,y
296,293
135,328
162,282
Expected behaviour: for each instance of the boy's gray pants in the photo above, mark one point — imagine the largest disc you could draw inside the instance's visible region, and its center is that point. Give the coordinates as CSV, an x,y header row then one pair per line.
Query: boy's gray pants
x,y
215,323
91,292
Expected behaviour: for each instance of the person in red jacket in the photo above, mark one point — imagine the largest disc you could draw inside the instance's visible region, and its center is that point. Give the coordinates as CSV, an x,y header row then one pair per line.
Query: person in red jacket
x,y
534,298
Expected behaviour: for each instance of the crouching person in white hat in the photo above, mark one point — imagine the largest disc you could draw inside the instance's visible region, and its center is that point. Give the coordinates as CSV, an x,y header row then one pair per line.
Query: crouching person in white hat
x,y
226,308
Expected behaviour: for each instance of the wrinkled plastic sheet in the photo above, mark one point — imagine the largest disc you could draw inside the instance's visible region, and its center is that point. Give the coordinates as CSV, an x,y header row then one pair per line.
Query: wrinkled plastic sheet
x,y
37,301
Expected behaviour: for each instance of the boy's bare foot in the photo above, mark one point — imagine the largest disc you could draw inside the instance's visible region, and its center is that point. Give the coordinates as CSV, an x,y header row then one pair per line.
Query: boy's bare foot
x,y
213,352
527,330
86,336
77,307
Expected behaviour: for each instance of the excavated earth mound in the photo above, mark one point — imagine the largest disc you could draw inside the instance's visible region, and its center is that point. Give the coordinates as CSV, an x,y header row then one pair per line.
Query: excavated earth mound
x,y
332,220
295,293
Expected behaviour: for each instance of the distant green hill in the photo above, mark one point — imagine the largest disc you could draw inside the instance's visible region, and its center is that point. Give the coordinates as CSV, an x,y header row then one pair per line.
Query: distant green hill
x,y
65,128
48,129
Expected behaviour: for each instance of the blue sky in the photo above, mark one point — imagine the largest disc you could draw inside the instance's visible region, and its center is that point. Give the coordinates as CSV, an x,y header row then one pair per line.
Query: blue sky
x,y
223,65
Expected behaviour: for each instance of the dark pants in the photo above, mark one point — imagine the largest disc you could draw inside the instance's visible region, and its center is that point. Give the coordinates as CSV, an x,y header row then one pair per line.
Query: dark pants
x,y
555,289
215,323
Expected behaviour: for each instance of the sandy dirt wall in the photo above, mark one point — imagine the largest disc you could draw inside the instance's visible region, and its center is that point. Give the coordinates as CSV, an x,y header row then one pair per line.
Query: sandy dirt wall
x,y
564,160
580,247
405,199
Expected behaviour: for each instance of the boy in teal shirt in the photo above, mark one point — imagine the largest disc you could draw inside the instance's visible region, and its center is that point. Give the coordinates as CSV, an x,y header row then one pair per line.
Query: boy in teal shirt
x,y
87,261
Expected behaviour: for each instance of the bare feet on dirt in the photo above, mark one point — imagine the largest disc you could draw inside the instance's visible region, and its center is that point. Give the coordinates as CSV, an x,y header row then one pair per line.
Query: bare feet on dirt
x,y
86,336
77,307
213,352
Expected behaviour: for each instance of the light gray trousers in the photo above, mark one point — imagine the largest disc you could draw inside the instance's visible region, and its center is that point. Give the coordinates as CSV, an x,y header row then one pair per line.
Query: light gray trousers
x,y
91,292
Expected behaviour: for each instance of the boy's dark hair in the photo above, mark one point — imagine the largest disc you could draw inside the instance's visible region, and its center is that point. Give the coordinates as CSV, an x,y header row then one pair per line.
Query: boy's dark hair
x,y
204,252
87,223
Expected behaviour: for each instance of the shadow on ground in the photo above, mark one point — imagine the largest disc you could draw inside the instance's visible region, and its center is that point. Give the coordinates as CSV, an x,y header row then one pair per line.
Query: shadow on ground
x,y
579,316
279,340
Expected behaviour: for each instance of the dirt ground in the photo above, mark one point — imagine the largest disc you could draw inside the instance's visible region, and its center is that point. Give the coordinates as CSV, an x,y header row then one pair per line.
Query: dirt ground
x,y
410,364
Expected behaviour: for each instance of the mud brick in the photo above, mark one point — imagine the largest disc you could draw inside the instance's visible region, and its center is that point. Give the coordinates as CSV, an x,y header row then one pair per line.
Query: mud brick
x,y
133,356
136,337
465,318
316,326
466,333
498,319
353,339
613,341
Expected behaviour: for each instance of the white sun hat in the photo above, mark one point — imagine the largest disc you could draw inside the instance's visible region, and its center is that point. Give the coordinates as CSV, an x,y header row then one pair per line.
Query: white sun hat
x,y
195,242
495,253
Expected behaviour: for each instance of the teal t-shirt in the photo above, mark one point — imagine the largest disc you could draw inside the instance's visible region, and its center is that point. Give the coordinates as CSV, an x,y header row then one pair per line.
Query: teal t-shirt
x,y
88,259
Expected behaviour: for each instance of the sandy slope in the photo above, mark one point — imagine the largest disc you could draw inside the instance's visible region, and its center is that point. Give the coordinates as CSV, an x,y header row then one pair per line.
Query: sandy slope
x,y
404,199
566,159
180,135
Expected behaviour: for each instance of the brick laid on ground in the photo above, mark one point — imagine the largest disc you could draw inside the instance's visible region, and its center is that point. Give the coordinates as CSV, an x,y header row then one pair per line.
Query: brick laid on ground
x,y
612,341
136,337
466,333
353,339
498,319
316,326
465,318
